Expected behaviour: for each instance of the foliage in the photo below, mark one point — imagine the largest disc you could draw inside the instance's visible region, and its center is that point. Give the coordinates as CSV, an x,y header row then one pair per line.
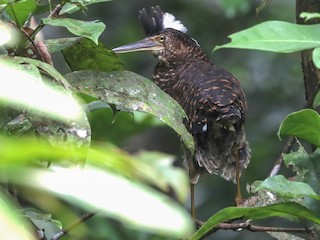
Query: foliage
x,y
46,143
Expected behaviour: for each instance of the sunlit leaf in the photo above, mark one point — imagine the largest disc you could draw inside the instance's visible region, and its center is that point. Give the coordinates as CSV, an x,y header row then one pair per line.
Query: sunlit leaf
x,y
132,91
175,177
309,15
18,88
316,57
86,55
11,225
127,201
289,189
43,222
89,29
304,124
290,210
20,11
76,5
276,36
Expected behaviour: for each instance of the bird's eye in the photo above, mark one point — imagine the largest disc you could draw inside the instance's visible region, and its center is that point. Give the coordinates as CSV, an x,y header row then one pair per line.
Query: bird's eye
x,y
162,38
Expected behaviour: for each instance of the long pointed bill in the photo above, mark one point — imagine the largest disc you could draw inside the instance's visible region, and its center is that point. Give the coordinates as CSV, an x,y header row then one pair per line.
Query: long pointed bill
x,y
147,44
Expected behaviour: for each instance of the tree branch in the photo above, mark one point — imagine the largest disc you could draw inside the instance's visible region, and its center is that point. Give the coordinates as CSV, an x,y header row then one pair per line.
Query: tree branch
x,y
67,229
253,228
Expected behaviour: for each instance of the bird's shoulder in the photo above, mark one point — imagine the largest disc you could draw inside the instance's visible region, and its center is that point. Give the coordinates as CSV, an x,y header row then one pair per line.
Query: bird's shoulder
x,y
211,84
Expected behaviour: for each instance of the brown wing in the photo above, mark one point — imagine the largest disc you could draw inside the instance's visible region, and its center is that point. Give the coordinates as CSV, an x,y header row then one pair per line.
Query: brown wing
x,y
215,95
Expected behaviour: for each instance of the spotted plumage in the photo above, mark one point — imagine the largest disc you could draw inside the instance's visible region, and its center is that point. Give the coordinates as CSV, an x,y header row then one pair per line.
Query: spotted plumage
x,y
211,97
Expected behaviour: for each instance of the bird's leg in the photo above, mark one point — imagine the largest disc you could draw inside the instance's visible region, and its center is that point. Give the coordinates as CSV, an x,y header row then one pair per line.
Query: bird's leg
x,y
193,210
239,200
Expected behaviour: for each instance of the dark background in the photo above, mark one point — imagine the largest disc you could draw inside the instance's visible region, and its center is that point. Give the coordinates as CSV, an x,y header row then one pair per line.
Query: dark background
x,y
273,84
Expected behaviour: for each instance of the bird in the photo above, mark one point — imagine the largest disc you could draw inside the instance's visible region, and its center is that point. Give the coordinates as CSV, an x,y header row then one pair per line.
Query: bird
x,y
214,102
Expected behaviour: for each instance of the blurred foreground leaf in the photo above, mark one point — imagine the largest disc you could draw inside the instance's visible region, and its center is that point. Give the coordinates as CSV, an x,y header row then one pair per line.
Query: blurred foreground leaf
x,y
276,36
54,113
130,202
128,90
304,124
175,177
18,87
149,168
12,226
290,210
309,15
288,189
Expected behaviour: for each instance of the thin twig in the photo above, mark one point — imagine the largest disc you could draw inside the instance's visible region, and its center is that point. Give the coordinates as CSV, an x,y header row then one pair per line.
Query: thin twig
x,y
67,229
254,228
54,13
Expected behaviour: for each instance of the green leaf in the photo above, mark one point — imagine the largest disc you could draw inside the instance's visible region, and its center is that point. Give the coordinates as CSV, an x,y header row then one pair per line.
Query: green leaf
x,y
76,5
316,101
316,57
175,177
125,200
12,226
31,83
128,90
286,210
58,44
44,222
289,189
308,15
20,11
276,36
91,30
85,55
307,168
304,124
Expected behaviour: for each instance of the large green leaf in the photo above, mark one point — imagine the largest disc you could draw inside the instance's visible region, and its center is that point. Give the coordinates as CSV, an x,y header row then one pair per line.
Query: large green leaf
x,y
287,189
276,36
148,168
86,55
54,113
304,124
289,210
12,226
21,81
128,90
130,202
20,10
90,29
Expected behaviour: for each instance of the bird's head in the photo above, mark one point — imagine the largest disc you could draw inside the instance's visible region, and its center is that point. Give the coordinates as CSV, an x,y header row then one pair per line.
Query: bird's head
x,y
166,37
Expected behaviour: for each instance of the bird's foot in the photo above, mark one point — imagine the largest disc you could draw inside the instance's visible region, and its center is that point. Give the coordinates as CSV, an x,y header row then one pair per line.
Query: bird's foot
x,y
239,201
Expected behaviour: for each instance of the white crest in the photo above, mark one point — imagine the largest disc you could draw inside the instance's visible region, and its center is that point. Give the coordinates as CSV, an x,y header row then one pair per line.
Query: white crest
x,y
170,21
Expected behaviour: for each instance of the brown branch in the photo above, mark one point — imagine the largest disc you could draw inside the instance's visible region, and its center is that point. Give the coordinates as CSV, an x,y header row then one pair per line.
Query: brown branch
x,y
67,229
253,228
